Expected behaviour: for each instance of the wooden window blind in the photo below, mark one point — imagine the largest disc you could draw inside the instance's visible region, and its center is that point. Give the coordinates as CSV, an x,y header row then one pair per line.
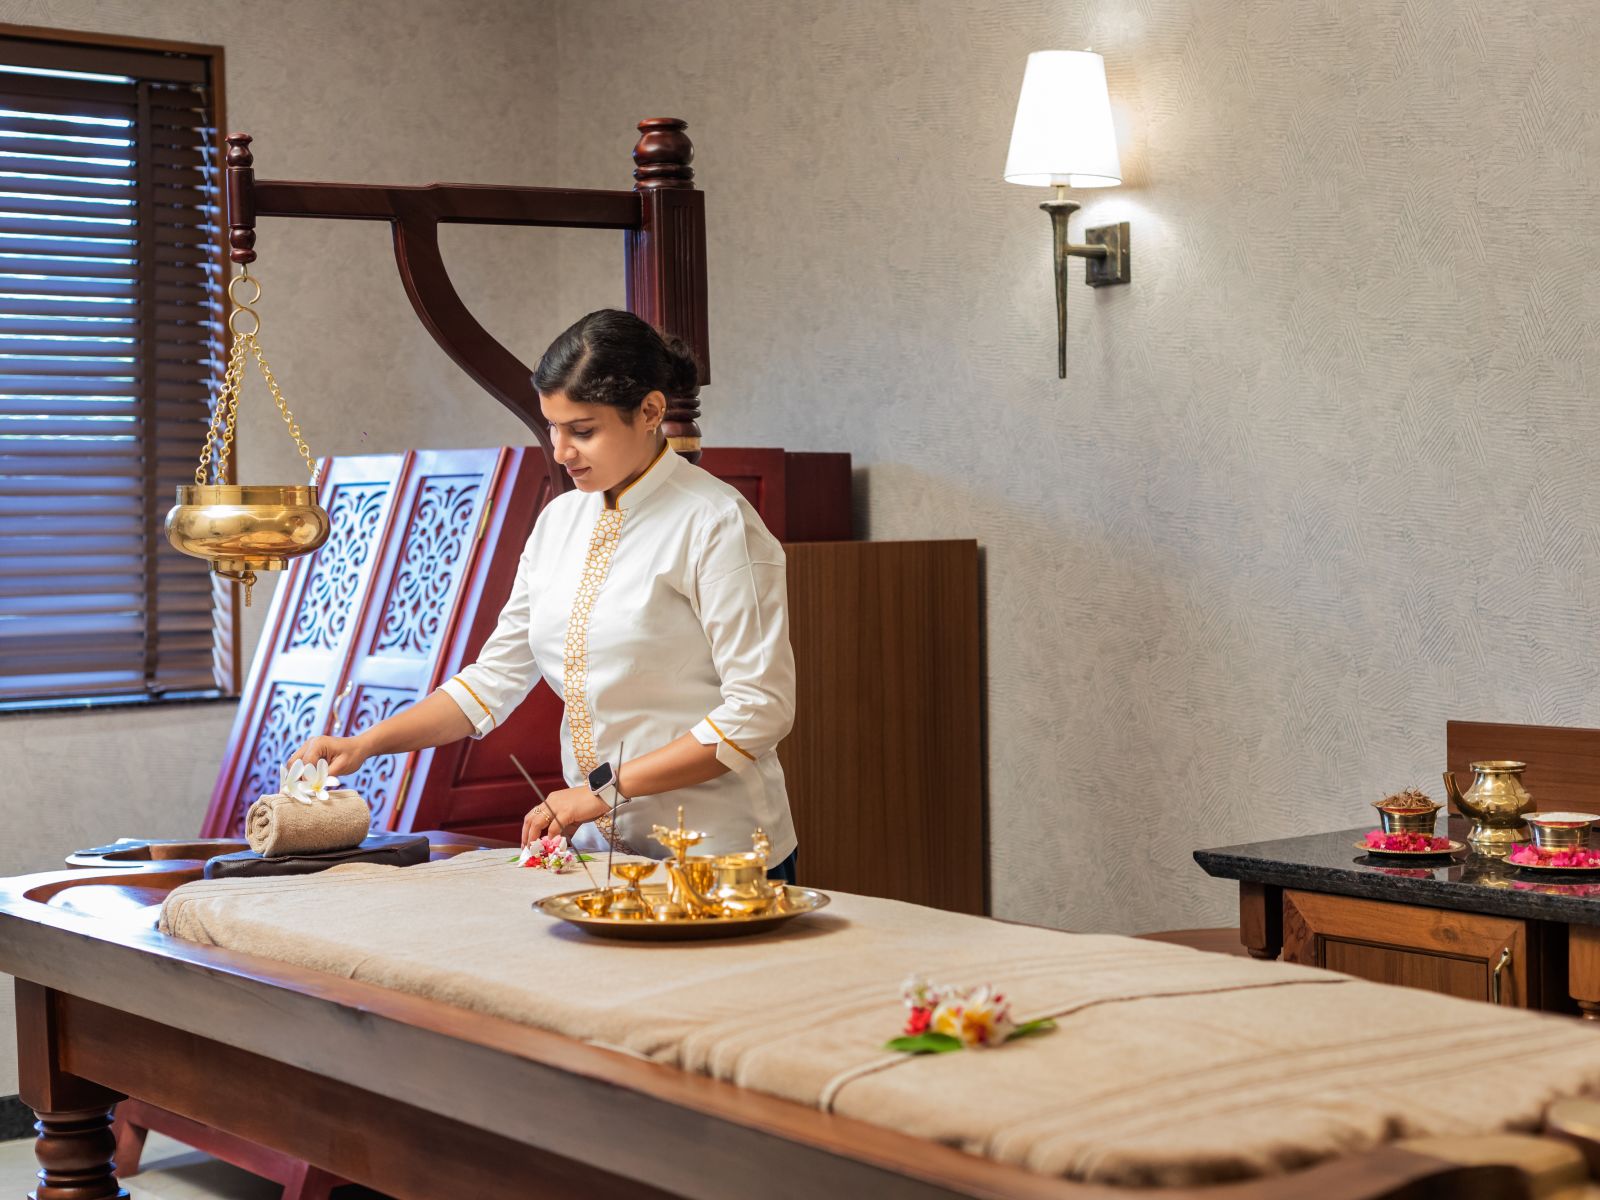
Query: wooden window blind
x,y
111,307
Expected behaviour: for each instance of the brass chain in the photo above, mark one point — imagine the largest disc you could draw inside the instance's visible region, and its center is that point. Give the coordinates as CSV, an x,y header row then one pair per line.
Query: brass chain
x,y
227,402
283,408
226,412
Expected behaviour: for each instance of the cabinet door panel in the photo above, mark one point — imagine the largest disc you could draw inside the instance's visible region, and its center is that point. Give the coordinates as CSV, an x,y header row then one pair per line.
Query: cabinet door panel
x,y
1460,954
470,784
416,598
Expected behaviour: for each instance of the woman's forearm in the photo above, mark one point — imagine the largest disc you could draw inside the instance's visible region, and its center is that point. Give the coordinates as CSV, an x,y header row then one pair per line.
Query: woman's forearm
x,y
433,721
682,762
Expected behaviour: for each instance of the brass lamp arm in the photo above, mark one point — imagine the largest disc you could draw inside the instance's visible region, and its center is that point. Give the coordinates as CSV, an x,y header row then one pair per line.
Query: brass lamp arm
x,y
1106,261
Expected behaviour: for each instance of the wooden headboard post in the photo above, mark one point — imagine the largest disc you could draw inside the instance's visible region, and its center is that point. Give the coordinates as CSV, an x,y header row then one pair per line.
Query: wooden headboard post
x,y
666,260
663,219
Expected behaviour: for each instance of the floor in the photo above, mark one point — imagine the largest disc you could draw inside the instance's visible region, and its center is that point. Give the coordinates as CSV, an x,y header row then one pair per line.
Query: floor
x,y
171,1171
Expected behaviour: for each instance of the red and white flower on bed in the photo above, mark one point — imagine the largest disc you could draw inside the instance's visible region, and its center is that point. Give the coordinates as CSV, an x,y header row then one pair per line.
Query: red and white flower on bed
x,y
551,853
947,1018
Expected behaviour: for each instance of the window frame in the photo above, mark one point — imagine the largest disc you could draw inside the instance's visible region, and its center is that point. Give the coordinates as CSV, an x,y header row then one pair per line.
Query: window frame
x,y
83,50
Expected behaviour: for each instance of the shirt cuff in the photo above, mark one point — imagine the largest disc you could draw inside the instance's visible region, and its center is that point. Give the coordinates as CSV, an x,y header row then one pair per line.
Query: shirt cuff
x,y
729,753
469,702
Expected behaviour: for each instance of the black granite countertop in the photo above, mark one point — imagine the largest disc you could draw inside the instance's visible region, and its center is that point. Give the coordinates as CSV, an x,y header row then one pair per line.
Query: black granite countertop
x,y
1332,862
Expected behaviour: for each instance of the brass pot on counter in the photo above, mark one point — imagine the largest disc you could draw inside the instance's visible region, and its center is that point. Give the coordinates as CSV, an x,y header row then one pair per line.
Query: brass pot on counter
x,y
1495,804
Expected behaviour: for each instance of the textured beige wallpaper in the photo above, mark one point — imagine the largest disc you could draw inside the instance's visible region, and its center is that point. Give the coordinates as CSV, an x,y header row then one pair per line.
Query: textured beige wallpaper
x,y
332,89
1323,476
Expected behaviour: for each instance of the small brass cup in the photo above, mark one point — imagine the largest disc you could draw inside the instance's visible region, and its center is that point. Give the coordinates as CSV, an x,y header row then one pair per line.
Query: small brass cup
x,y
1560,831
594,904
631,903
1408,820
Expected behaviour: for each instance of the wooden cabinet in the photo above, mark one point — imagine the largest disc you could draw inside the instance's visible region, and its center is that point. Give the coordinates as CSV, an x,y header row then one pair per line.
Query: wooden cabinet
x,y
1500,959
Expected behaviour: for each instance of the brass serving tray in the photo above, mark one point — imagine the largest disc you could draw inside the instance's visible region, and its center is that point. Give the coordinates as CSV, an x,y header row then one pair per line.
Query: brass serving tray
x,y
797,902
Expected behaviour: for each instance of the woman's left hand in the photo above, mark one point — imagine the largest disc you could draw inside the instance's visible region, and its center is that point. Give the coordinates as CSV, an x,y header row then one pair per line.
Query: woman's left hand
x,y
561,813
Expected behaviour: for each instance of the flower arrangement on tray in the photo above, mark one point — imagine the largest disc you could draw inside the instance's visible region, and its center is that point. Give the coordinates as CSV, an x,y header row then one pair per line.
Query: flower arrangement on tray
x,y
942,1019
1575,858
1406,843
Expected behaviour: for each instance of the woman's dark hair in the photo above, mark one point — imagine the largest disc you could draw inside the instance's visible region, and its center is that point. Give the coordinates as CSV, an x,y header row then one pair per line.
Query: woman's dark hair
x,y
613,357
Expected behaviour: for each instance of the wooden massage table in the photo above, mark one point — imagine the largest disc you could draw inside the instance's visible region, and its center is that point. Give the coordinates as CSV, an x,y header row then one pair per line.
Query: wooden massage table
x,y
424,1099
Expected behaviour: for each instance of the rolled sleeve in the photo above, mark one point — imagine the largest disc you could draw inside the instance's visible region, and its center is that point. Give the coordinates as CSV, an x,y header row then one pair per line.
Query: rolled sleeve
x,y
506,669
744,608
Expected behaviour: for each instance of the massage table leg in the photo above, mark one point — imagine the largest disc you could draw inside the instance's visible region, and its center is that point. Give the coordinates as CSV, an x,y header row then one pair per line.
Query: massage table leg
x,y
75,1146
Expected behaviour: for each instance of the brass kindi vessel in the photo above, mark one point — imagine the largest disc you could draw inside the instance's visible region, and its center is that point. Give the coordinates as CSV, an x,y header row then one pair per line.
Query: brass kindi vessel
x,y
240,530
1495,804
720,895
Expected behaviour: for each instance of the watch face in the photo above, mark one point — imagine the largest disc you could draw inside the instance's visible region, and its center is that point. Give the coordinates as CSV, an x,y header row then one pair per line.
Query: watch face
x,y
600,777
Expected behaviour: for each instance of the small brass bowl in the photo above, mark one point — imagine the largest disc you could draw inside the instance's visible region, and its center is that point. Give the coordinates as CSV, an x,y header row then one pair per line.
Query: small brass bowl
x,y
1408,820
242,529
594,904
1560,830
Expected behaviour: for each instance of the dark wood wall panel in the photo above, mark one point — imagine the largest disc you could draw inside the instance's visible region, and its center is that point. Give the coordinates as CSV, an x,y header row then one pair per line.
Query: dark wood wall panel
x,y
1563,763
885,764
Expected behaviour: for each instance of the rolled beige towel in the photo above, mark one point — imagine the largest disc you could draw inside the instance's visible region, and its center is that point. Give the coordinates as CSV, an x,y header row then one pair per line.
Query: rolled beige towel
x,y
277,825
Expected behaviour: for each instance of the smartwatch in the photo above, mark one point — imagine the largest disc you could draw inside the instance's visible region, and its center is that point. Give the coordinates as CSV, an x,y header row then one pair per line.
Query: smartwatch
x,y
603,783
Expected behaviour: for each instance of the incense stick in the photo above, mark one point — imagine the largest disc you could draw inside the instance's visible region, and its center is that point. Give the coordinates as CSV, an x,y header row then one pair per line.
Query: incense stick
x,y
537,791
611,834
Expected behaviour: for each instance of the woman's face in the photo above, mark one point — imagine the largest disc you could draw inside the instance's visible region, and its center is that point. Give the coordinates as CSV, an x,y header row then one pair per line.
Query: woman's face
x,y
597,443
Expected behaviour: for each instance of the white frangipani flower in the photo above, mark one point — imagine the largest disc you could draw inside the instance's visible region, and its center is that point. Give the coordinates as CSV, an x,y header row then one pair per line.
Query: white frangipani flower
x,y
307,783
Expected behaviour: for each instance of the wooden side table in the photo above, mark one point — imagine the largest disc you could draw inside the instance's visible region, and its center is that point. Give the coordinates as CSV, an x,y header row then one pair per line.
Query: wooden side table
x,y
1471,926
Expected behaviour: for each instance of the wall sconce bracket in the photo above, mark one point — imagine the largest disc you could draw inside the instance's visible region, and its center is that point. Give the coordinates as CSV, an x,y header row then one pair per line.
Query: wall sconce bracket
x,y
1116,266
1107,260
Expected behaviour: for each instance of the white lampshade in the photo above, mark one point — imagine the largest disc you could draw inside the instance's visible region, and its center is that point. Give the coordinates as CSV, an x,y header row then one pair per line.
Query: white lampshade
x,y
1063,132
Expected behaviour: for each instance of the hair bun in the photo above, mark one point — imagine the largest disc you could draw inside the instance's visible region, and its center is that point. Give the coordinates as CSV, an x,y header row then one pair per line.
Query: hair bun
x,y
684,371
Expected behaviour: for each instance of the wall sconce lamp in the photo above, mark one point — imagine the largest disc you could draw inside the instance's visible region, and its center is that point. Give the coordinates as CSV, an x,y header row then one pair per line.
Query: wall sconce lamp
x,y
1063,138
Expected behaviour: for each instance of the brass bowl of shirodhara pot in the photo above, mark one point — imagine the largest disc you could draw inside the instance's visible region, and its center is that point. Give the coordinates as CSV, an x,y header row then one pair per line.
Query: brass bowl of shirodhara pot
x,y
241,528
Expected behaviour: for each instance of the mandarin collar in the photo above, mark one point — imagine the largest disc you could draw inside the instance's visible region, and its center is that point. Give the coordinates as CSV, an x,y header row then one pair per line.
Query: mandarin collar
x,y
660,468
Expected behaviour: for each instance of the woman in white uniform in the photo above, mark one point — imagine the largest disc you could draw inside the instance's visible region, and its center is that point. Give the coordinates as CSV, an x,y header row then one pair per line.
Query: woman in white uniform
x,y
652,599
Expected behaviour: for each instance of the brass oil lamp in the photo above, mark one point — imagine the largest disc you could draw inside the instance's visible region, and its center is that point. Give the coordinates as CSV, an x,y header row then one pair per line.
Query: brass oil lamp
x,y
242,529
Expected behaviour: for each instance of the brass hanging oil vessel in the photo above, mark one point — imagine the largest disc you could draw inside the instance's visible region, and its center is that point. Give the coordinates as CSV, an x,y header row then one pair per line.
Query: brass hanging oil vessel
x,y
241,529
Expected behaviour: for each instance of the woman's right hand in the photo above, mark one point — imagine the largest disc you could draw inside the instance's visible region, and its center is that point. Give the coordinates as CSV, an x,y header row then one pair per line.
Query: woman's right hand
x,y
344,754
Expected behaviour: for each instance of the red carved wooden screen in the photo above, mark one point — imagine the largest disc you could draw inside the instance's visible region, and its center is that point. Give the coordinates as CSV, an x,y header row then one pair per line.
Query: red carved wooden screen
x,y
356,631
315,614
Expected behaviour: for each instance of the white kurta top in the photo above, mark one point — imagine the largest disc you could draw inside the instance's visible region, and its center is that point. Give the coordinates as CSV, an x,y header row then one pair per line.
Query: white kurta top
x,y
665,615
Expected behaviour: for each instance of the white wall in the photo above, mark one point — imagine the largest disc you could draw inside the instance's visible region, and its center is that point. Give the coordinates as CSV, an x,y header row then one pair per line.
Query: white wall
x,y
1323,475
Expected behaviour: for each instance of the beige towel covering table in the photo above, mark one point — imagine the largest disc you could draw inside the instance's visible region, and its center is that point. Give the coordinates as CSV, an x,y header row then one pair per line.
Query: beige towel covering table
x,y
1169,1066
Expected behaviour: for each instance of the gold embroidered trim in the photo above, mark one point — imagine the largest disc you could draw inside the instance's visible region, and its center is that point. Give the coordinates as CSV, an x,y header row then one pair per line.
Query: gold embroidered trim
x,y
493,724
729,740
575,653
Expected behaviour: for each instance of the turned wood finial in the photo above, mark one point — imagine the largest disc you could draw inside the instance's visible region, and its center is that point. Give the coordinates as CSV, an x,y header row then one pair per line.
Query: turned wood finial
x,y
662,155
241,199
